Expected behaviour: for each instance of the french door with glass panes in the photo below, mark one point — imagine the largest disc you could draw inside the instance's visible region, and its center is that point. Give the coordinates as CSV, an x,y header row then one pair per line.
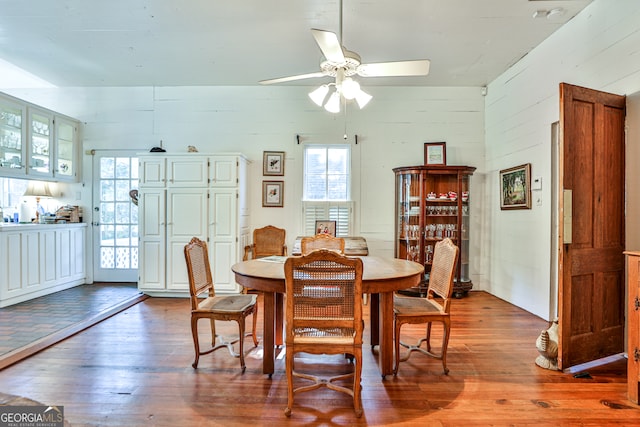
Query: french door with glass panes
x,y
115,217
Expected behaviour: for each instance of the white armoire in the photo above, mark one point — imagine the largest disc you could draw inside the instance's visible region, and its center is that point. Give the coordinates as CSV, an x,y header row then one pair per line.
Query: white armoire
x,y
190,195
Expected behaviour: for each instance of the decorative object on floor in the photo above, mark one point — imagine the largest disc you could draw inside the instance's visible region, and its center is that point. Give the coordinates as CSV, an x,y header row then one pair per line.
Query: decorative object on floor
x,y
434,308
515,187
324,316
272,194
228,307
435,153
343,64
273,163
547,345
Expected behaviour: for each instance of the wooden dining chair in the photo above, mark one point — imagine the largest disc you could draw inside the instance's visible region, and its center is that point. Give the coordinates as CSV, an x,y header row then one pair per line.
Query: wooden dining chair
x,y
323,316
434,308
267,241
321,241
205,304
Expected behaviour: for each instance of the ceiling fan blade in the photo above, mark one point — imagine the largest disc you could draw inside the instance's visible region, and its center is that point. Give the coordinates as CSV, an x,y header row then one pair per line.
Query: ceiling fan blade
x,y
329,45
292,78
418,67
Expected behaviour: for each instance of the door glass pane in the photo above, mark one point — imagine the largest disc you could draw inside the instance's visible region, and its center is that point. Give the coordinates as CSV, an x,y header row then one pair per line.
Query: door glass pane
x,y
10,137
118,215
40,143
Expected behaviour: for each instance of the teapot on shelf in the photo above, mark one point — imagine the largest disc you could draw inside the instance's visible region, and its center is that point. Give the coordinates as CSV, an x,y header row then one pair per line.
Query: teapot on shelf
x,y
431,196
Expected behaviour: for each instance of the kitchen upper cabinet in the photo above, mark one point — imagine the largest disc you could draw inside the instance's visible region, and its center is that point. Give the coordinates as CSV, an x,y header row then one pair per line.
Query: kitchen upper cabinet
x,y
40,137
12,138
66,149
37,143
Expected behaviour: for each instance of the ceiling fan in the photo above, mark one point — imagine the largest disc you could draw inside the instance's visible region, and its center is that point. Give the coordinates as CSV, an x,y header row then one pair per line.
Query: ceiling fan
x,y
342,64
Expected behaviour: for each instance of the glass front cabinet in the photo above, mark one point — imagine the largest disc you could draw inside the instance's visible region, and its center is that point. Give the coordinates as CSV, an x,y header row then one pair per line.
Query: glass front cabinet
x,y
12,138
432,203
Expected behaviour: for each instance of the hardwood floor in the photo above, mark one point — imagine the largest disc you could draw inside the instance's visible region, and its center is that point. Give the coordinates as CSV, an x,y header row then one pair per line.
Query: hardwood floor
x,y
134,369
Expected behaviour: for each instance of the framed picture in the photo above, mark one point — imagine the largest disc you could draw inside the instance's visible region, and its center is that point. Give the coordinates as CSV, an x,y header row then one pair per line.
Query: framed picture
x,y
272,193
515,187
435,153
273,163
326,227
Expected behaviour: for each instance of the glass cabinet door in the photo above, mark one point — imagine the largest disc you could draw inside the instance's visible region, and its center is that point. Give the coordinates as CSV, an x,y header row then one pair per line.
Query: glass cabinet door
x,y
65,165
408,220
40,147
12,146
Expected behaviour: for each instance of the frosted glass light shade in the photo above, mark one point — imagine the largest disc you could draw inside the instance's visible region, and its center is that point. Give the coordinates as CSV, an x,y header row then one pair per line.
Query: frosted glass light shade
x,y
333,104
319,94
350,88
363,98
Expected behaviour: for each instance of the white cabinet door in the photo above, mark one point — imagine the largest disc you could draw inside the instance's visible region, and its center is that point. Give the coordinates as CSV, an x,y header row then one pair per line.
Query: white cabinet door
x,y
13,146
48,257
63,261
223,237
151,209
223,171
40,148
187,172
152,172
78,237
14,252
65,160
186,218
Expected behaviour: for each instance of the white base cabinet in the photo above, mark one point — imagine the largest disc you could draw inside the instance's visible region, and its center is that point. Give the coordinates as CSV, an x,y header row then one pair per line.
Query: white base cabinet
x,y
182,196
38,259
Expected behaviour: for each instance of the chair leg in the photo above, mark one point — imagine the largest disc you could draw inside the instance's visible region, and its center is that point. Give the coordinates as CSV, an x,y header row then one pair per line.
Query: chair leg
x,y
357,386
428,337
196,344
241,326
445,343
289,371
396,342
213,332
255,322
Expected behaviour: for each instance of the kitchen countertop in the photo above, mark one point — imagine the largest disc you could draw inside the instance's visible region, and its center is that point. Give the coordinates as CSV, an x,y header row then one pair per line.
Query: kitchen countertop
x,y
12,226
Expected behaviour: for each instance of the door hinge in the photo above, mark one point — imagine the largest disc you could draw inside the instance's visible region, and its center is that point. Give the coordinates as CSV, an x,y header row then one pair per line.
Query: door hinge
x,y
636,354
636,303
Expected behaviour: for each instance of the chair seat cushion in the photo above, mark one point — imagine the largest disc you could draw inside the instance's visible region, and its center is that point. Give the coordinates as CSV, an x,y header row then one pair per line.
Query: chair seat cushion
x,y
227,303
415,306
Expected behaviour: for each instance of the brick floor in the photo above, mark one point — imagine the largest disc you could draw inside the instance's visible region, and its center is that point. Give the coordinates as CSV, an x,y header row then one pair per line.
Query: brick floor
x,y
24,323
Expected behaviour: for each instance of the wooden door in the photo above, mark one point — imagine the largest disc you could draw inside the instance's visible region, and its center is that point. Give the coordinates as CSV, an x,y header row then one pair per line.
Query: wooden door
x,y
591,266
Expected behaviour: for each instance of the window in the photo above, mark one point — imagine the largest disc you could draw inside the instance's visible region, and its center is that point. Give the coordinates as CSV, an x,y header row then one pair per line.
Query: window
x,y
326,172
327,192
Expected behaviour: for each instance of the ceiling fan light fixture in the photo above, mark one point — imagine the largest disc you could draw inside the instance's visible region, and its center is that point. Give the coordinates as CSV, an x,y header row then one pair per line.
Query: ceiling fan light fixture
x,y
350,88
318,95
362,98
333,104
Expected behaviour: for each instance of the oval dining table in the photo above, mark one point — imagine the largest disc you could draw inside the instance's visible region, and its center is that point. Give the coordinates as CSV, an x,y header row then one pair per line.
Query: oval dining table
x,y
380,278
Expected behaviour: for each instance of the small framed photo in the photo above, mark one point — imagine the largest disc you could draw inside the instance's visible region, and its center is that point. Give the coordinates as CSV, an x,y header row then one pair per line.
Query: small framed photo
x,y
272,195
515,187
273,163
435,153
326,227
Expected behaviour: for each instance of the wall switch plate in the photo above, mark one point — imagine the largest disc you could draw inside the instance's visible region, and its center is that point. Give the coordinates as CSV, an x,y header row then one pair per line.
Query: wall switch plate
x,y
537,183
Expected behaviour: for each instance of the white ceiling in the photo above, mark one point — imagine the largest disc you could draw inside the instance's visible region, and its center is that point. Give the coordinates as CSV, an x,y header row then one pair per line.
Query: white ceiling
x,y
239,42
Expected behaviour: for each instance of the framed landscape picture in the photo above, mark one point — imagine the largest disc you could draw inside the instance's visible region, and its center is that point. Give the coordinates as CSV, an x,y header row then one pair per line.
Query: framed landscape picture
x,y
272,194
273,163
326,227
435,153
515,187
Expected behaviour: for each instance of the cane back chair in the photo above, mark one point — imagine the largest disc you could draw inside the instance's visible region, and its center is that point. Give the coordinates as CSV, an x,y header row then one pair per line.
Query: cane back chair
x,y
324,316
434,308
205,304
